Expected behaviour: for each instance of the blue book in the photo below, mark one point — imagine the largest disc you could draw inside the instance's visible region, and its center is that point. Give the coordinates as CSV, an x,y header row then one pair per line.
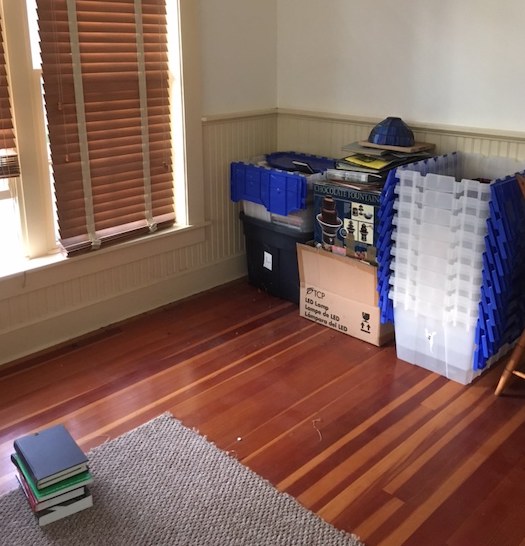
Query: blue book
x,y
50,455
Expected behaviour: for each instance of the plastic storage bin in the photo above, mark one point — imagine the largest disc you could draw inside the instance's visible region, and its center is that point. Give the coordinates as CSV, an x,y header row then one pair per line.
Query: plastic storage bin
x,y
279,191
444,259
280,185
271,255
301,220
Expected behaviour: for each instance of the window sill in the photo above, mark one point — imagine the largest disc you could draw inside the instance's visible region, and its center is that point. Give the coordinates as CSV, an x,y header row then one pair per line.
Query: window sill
x,y
38,273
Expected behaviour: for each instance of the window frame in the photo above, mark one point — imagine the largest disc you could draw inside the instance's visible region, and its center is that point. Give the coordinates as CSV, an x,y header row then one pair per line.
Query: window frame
x,y
36,199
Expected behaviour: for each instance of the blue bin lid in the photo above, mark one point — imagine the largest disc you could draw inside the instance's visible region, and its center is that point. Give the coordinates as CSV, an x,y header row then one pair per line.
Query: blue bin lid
x,y
279,191
294,161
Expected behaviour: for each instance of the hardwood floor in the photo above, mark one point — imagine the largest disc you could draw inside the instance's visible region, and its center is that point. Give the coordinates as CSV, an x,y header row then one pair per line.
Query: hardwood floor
x,y
376,446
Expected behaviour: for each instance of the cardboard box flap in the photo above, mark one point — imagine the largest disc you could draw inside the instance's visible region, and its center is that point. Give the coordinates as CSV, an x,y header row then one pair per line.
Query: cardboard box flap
x,y
347,277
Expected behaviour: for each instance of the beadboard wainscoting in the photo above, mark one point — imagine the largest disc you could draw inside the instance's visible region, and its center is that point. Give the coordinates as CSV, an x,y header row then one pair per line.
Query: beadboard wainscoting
x,y
325,134
48,305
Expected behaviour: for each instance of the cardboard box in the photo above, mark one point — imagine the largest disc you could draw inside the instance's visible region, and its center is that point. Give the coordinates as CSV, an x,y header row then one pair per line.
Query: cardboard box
x,y
355,227
340,293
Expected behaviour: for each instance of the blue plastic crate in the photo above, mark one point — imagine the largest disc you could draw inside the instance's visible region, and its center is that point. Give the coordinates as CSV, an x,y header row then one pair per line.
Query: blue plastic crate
x,y
384,258
281,186
279,191
502,316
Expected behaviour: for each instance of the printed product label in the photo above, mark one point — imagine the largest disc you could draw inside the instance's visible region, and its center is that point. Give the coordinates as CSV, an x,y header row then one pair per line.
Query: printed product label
x,y
346,316
267,263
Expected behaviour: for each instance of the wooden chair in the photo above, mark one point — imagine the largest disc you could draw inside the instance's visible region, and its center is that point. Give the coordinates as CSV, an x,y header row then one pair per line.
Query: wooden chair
x,y
511,367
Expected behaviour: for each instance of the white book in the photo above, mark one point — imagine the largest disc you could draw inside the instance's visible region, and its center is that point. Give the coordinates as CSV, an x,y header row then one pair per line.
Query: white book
x,y
344,175
59,511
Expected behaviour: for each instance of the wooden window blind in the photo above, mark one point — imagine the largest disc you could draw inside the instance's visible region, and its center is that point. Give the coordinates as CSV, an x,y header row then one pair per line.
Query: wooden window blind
x,y
8,155
106,91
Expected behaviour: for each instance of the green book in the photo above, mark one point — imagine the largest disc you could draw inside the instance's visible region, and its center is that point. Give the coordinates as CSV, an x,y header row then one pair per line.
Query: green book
x,y
58,488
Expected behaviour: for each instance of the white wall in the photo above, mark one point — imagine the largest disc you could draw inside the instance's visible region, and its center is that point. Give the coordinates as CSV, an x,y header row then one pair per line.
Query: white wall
x,y
239,61
453,62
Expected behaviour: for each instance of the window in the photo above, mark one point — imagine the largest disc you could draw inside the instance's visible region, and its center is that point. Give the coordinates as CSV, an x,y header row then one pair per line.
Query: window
x,y
106,91
9,169
8,153
108,94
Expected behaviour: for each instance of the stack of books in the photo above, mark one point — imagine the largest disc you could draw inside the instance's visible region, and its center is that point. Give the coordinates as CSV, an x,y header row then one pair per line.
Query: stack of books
x,y
53,473
370,163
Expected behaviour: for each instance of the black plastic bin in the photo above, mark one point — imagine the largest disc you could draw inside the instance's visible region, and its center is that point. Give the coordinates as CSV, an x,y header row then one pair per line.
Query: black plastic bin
x,y
272,256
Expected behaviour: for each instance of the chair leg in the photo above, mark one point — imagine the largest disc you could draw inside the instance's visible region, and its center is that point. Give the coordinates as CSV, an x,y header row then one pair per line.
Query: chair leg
x,y
512,365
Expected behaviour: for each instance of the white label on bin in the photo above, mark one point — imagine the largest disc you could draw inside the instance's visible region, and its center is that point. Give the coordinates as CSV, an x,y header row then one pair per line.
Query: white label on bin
x,y
267,260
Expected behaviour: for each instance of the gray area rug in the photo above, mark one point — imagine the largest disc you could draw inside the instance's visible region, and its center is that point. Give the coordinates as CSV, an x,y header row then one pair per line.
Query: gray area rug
x,y
164,484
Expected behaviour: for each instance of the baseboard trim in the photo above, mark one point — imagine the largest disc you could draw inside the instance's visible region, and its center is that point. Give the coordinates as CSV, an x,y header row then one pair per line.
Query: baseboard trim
x,y
42,335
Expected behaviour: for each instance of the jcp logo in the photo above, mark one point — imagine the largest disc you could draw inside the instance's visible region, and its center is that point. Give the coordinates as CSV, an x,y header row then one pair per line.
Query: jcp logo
x,y
317,293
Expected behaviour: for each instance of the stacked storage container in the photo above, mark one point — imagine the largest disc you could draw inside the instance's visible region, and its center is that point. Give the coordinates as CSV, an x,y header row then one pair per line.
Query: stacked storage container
x,y
434,226
502,305
384,246
277,213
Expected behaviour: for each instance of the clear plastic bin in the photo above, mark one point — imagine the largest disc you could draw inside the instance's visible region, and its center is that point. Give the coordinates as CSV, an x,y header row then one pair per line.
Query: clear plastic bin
x,y
438,200
435,345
